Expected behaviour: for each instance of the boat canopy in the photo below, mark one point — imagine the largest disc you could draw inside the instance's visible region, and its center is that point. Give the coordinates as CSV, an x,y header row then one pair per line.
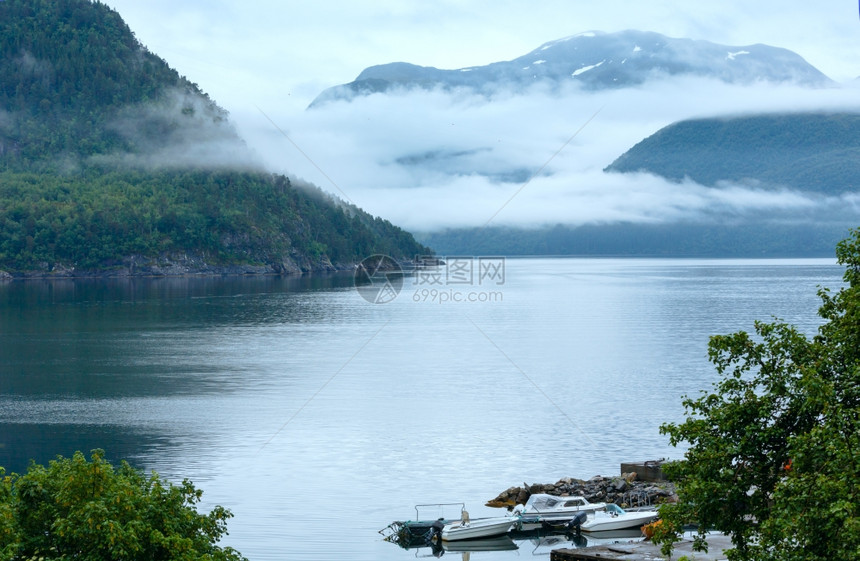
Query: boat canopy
x,y
540,502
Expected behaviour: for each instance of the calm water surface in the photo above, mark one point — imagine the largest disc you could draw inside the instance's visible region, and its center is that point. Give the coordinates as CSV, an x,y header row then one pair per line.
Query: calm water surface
x,y
318,418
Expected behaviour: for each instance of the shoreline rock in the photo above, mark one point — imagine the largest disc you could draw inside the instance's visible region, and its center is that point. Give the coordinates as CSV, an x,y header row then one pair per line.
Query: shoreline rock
x,y
176,265
626,491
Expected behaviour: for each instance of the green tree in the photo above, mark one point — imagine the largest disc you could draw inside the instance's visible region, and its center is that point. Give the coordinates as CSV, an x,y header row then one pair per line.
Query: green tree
x,y
80,509
774,450
8,533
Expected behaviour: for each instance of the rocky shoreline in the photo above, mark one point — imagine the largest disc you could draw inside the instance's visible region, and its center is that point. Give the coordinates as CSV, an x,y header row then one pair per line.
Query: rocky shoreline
x,y
176,265
626,491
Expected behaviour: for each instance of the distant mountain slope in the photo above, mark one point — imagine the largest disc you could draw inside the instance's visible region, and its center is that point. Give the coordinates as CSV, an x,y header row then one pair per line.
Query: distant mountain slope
x,y
818,152
111,161
596,61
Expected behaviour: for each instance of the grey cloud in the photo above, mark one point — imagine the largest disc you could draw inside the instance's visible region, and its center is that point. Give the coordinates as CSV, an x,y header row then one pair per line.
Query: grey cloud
x,y
436,159
182,130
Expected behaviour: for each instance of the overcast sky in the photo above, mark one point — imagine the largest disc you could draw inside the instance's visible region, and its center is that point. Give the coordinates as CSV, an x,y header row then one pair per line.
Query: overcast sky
x,y
275,57
254,51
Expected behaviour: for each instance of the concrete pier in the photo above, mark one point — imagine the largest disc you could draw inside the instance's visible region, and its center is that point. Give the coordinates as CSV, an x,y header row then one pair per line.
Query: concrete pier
x,y
646,471
645,551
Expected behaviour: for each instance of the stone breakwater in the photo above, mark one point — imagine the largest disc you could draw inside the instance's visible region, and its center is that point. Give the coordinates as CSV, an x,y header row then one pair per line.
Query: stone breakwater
x,y
625,491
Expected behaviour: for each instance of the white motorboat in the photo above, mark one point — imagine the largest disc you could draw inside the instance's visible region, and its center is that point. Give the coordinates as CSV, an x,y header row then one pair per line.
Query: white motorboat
x,y
466,529
616,518
542,508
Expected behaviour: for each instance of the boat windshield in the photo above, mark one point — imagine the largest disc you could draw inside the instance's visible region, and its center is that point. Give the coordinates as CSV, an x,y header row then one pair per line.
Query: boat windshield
x,y
613,508
542,502
578,501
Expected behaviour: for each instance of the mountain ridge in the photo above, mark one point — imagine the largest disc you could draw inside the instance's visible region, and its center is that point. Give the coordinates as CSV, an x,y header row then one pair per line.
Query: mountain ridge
x,y
594,60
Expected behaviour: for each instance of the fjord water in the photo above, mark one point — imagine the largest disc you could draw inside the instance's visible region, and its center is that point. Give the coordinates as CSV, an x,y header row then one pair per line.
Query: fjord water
x,y
318,418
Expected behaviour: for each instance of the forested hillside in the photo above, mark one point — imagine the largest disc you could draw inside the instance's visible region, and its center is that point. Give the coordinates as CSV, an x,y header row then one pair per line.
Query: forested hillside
x,y
98,220
70,72
818,152
108,156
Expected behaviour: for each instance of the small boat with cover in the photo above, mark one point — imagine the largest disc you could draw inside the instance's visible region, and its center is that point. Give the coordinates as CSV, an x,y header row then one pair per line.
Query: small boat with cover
x,y
543,509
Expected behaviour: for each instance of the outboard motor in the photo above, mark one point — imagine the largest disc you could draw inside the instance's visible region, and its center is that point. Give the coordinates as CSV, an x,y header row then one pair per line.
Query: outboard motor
x,y
575,524
435,533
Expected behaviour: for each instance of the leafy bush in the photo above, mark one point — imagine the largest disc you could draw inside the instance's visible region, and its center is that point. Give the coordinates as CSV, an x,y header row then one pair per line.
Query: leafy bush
x,y
80,509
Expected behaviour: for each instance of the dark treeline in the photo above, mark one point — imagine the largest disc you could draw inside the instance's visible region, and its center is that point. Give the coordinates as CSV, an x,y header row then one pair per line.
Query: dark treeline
x,y
652,240
90,219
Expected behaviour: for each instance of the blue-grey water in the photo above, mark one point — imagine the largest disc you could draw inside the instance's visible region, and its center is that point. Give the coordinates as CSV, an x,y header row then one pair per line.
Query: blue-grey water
x,y
318,418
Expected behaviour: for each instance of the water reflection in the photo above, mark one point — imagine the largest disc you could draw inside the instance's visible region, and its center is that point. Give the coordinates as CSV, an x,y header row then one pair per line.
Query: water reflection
x,y
427,548
143,337
21,442
26,294
536,542
99,363
498,543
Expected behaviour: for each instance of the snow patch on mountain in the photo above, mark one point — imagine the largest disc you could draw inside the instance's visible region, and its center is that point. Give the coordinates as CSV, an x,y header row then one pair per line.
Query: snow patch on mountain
x,y
586,68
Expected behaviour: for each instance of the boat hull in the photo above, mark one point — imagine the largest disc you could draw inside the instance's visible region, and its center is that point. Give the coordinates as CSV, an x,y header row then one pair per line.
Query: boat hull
x,y
478,528
534,521
621,522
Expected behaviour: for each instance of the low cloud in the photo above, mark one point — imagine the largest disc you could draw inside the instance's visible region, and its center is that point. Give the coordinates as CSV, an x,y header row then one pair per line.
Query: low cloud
x,y
182,130
435,159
